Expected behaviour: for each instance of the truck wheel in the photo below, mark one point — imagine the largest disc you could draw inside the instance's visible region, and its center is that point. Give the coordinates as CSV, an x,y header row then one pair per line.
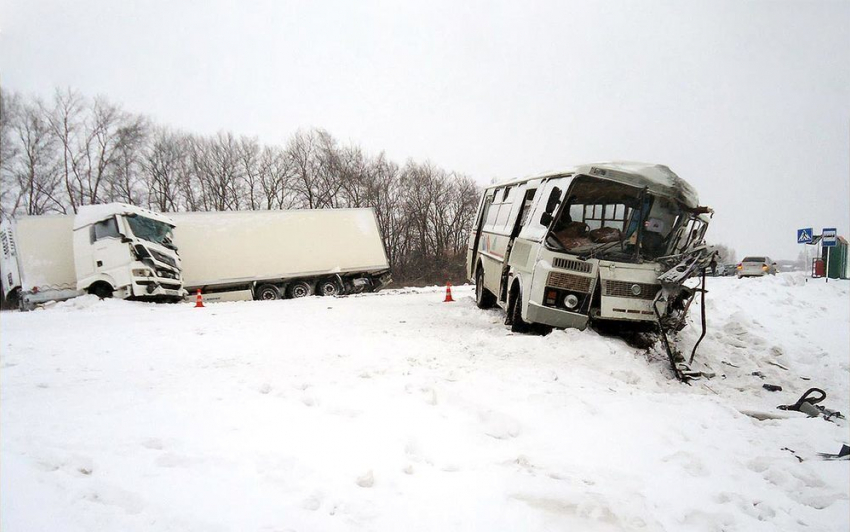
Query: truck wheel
x,y
267,292
300,289
518,325
101,290
14,299
329,287
483,297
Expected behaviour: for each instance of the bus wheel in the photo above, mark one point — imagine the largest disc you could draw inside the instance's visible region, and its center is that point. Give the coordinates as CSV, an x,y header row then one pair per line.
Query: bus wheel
x,y
518,325
268,292
300,289
483,298
328,287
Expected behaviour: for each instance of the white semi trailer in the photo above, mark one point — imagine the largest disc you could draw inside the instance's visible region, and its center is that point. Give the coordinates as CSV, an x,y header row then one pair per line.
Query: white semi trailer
x,y
239,255
107,250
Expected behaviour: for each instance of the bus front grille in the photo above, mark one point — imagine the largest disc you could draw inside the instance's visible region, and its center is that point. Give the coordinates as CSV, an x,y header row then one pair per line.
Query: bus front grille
x,y
570,264
566,281
624,289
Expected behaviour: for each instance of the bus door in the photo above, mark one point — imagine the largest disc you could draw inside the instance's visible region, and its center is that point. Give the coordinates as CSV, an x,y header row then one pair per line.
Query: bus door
x,y
472,259
519,218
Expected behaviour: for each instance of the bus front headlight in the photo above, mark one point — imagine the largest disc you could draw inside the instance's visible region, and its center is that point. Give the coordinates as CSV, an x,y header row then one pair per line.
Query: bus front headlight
x,y
570,301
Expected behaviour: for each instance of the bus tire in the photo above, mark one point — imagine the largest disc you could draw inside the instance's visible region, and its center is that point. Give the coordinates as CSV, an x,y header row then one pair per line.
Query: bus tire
x,y
484,299
518,325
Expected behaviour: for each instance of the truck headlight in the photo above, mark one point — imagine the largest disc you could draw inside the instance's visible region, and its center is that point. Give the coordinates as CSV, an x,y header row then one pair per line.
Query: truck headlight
x,y
142,273
570,301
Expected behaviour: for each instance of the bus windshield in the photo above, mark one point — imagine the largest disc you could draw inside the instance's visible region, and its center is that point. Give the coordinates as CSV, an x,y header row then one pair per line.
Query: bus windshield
x,y
606,219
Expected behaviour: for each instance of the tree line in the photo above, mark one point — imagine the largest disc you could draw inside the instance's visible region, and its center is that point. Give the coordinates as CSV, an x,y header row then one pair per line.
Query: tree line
x,y
59,154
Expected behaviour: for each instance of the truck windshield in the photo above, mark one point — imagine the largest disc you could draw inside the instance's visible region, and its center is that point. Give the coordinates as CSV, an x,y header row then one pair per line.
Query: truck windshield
x,y
606,219
150,230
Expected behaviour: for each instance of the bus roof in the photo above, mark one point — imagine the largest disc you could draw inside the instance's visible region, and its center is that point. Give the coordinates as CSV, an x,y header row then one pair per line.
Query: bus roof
x,y
659,179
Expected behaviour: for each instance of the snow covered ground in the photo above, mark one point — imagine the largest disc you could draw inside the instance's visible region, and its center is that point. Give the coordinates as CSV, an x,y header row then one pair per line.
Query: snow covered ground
x,y
396,411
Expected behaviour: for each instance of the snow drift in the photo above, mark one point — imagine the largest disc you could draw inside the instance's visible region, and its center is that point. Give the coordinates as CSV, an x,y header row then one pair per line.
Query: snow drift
x,y
397,411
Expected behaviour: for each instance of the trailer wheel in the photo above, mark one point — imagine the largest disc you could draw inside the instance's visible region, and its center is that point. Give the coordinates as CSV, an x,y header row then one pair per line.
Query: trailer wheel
x,y
483,297
329,287
267,292
300,289
101,289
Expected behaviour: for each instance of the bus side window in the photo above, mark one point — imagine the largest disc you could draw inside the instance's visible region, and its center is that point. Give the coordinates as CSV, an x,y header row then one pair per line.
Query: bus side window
x,y
492,212
504,214
485,210
526,205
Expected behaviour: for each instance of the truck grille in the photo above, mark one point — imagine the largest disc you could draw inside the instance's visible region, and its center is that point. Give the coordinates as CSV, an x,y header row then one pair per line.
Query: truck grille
x,y
566,281
167,274
624,289
163,258
575,265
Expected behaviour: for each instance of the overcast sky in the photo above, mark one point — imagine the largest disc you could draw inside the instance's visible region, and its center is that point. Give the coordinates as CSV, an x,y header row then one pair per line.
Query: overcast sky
x,y
748,101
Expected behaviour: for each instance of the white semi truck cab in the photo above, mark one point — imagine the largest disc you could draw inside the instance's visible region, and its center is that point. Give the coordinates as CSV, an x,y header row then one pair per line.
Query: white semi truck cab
x,y
127,252
108,250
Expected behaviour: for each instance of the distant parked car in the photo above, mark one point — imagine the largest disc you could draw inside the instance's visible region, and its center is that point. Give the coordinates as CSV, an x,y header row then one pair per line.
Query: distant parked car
x,y
756,267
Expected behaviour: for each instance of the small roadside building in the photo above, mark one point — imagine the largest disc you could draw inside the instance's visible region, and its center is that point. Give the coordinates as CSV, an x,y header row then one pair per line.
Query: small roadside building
x,y
837,267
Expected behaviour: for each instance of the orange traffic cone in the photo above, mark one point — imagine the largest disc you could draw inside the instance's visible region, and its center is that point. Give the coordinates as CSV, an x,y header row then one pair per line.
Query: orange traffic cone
x,y
448,294
199,300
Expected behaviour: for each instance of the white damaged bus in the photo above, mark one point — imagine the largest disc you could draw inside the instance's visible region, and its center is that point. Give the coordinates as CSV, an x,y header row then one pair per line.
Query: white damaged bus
x,y
610,244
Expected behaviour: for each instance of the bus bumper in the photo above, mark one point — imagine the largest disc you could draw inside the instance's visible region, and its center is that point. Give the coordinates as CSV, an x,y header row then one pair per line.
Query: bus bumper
x,y
555,318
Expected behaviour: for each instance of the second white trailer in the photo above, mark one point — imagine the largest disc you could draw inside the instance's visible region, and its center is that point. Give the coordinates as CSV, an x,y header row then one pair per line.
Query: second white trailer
x,y
274,254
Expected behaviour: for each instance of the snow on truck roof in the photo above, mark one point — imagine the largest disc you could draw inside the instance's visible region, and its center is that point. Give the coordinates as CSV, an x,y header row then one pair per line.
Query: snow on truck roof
x,y
659,179
89,214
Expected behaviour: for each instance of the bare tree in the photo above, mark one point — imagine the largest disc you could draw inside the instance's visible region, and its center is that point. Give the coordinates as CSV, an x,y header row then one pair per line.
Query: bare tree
x,y
9,150
315,163
275,176
216,164
106,130
124,176
164,166
249,160
36,172
65,121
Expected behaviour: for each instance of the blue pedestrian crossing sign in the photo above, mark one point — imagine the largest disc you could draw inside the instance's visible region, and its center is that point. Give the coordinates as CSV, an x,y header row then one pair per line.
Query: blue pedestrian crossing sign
x,y
828,239
804,236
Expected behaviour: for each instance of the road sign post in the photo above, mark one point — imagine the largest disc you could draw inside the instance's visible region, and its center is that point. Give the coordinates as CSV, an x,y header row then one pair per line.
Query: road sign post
x,y
828,240
805,236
